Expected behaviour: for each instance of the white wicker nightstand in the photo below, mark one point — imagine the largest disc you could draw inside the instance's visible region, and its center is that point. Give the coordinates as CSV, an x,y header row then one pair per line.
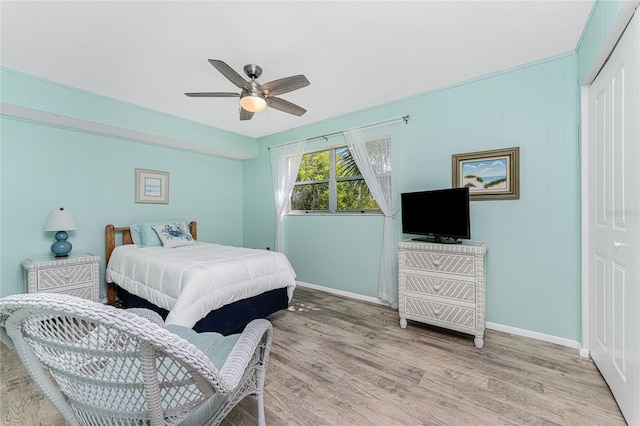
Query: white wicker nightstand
x,y
77,275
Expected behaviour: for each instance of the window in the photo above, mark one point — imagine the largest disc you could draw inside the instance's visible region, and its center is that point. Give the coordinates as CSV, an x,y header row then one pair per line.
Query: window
x,y
329,181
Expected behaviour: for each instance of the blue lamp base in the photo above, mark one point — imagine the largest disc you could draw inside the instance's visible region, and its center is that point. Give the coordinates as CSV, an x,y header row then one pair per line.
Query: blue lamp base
x,y
61,247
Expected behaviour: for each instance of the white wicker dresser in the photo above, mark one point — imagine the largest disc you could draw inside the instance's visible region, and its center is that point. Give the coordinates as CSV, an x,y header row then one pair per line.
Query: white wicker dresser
x,y
77,275
443,285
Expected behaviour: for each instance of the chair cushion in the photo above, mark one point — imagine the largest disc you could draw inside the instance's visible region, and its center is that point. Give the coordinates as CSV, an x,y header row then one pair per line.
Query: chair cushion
x,y
214,345
217,348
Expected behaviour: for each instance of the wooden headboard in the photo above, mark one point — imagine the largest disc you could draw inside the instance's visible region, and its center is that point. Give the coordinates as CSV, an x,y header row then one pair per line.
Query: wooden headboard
x,y
126,239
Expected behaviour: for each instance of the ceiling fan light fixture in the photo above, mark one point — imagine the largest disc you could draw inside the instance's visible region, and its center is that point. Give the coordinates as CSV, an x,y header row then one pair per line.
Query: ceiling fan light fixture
x,y
254,96
253,102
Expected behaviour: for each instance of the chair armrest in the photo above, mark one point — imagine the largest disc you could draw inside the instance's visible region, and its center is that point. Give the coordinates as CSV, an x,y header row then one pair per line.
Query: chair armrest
x,y
4,338
256,338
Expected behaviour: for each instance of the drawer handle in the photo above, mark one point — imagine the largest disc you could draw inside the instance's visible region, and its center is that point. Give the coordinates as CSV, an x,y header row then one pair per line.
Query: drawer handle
x,y
436,263
437,288
436,312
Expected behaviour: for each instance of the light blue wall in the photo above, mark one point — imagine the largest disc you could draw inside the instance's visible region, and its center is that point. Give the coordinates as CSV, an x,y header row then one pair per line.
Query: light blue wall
x,y
340,252
43,95
44,167
533,278
602,17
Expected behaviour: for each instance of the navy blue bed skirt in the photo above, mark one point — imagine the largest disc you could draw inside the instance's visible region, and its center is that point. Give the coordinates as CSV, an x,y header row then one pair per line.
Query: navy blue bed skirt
x,y
228,319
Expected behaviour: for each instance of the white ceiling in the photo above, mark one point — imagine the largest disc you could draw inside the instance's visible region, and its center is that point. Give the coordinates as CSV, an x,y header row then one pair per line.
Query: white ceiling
x,y
356,54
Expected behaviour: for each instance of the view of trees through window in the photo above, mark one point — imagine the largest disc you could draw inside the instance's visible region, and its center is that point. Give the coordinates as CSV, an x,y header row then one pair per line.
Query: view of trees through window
x,y
330,181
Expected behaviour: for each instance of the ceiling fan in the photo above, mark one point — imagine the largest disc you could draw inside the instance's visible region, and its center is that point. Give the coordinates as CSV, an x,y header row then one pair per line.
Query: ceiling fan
x,y
254,97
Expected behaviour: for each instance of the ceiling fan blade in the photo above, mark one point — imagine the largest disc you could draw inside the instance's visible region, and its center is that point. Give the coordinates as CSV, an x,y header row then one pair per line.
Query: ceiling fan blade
x,y
245,115
213,95
284,85
231,75
285,106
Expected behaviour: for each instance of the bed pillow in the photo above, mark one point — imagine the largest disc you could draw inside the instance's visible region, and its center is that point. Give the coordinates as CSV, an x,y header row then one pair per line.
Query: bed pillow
x,y
135,234
148,236
174,235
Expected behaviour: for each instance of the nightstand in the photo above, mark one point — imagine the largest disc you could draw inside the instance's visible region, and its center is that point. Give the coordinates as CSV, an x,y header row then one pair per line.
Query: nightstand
x,y
77,275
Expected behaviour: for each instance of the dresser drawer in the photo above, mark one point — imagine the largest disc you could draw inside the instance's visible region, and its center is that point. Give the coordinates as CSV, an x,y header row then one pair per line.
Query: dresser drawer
x,y
64,276
88,291
441,312
458,264
464,291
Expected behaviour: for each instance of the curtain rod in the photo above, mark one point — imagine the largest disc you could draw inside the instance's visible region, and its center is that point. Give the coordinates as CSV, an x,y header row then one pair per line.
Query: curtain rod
x,y
405,118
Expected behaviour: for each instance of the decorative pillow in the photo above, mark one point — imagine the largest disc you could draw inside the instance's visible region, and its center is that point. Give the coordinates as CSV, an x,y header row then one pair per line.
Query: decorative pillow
x,y
174,235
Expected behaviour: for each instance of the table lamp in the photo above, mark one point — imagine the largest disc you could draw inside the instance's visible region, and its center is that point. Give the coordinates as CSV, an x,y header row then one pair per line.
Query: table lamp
x,y
61,221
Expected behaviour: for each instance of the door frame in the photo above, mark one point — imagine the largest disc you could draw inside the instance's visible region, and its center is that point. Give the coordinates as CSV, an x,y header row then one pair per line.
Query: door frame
x,y
625,14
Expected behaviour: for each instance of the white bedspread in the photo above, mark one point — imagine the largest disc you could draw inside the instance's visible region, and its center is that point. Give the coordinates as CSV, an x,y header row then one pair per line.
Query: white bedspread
x,y
191,281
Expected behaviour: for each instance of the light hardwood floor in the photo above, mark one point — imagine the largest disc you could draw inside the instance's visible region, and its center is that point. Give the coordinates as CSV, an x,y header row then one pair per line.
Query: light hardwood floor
x,y
338,361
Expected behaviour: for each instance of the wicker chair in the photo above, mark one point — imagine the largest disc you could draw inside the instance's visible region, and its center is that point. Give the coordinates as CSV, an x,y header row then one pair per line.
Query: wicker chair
x,y
99,365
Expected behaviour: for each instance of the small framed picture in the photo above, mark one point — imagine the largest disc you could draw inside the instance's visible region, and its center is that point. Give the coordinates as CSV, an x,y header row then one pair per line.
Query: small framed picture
x,y
489,175
152,186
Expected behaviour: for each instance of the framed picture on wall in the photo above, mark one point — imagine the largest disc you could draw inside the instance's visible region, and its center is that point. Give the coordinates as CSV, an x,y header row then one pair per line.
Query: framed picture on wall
x,y
489,175
152,186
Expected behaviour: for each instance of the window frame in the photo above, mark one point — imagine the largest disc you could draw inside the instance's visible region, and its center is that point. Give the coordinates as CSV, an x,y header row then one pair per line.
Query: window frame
x,y
333,188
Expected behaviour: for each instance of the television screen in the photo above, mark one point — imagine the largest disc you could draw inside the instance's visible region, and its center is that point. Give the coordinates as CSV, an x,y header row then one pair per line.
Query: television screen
x,y
442,214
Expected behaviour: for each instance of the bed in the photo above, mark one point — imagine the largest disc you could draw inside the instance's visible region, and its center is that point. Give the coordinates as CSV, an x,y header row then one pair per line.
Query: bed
x,y
204,286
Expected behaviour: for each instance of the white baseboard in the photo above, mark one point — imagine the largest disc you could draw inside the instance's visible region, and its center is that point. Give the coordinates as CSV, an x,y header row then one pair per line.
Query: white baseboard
x,y
343,293
539,336
490,325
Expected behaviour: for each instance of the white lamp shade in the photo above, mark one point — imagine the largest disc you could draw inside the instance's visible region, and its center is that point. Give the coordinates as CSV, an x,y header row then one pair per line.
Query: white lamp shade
x,y
253,103
60,220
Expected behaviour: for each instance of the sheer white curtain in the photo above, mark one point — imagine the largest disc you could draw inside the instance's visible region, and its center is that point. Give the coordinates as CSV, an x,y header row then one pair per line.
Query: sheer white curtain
x,y
371,148
285,162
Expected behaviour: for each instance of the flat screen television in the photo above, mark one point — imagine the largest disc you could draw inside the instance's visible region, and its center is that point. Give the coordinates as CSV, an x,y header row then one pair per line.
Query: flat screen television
x,y
440,215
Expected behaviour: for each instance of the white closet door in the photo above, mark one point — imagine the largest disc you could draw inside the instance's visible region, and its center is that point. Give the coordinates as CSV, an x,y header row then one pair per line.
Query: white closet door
x,y
614,228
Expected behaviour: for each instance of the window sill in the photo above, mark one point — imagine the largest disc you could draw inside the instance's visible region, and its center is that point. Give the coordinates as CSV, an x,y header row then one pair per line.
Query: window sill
x,y
314,213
